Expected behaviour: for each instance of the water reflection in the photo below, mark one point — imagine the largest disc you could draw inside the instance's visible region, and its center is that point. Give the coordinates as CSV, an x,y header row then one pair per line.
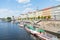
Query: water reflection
x,y
10,31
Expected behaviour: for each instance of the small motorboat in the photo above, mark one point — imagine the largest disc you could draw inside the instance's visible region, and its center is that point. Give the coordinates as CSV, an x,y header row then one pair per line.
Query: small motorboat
x,y
21,24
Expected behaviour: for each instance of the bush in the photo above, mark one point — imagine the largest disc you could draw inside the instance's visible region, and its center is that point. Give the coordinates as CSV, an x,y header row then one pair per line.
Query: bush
x,y
9,19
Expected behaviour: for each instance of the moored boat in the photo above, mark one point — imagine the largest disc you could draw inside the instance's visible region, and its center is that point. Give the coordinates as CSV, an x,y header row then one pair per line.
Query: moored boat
x,y
39,33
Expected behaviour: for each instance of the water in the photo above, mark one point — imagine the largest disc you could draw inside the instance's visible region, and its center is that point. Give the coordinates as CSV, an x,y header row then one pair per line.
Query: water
x,y
10,31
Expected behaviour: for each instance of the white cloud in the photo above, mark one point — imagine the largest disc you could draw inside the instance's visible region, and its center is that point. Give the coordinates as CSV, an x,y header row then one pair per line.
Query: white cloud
x,y
28,10
23,1
7,12
27,5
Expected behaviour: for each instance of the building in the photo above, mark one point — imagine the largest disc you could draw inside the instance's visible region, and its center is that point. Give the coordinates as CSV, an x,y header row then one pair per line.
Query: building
x,y
55,12
52,13
46,12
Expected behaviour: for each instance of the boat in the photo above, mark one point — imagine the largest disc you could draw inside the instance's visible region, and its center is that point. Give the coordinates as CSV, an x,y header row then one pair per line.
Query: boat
x,y
21,24
39,33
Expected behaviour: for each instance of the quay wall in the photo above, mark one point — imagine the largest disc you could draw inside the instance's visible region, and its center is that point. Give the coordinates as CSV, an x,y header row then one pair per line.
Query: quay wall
x,y
53,26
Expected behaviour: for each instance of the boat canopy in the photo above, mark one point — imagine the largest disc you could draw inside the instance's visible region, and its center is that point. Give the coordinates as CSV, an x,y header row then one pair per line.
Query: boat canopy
x,y
32,28
25,25
40,30
29,26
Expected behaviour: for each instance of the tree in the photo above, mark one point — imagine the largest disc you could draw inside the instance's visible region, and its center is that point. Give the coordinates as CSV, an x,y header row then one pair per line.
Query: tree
x,y
9,19
34,18
38,17
49,17
19,18
42,17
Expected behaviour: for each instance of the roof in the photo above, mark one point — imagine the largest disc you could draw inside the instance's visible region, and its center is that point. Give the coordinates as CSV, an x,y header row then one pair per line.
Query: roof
x,y
42,9
50,7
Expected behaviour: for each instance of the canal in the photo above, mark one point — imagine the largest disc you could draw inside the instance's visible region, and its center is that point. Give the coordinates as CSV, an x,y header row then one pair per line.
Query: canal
x,y
11,31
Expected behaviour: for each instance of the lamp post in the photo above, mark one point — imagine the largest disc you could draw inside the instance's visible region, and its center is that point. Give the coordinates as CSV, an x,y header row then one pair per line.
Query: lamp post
x,y
54,17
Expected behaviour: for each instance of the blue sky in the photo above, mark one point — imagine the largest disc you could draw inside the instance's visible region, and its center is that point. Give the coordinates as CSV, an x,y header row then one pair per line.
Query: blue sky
x,y
17,7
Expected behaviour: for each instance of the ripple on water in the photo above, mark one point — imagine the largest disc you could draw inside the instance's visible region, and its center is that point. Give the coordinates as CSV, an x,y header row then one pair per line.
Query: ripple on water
x,y
9,31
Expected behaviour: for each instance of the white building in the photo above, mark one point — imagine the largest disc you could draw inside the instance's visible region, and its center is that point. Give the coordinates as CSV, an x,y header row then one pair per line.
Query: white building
x,y
55,12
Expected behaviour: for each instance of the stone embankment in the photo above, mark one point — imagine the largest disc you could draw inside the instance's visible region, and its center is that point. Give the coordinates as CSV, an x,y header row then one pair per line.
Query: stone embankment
x,y
53,26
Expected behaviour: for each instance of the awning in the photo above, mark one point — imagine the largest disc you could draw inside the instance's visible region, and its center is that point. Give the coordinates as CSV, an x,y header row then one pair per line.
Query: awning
x,y
40,30
30,27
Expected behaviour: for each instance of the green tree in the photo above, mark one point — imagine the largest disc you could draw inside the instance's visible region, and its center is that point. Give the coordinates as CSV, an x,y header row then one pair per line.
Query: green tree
x,y
38,17
42,17
19,18
9,19
34,18
49,17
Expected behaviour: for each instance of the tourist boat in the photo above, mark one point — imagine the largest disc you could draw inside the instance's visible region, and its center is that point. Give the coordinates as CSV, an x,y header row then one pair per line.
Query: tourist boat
x,y
42,35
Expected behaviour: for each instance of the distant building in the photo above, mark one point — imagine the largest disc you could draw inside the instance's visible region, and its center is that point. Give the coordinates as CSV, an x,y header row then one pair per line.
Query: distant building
x,y
13,18
46,12
54,12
